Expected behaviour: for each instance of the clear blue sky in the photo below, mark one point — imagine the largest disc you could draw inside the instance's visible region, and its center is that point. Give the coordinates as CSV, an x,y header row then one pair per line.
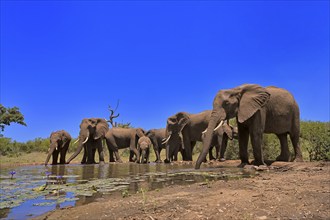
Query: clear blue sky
x,y
62,61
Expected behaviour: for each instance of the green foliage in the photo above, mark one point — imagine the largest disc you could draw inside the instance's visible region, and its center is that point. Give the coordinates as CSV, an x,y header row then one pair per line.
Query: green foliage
x,y
10,115
315,138
12,148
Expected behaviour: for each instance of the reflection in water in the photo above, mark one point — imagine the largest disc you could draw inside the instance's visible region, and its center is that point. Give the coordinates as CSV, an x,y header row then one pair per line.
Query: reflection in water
x,y
89,182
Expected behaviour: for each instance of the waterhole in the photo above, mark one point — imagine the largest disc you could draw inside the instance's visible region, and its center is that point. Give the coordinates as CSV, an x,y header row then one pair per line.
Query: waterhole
x,y
33,190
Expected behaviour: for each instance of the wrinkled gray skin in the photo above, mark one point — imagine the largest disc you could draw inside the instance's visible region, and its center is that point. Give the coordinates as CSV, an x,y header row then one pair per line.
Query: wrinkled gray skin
x,y
119,138
94,129
143,146
220,140
185,129
257,110
157,136
59,144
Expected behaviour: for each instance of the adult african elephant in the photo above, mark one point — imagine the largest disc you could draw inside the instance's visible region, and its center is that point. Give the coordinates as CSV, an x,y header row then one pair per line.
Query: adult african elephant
x,y
92,132
59,144
185,129
257,110
220,140
143,147
119,138
157,136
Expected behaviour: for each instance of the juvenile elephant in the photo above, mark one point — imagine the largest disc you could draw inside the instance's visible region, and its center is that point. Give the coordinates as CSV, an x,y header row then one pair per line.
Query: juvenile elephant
x,y
257,110
143,146
119,138
185,129
157,136
59,144
220,140
92,132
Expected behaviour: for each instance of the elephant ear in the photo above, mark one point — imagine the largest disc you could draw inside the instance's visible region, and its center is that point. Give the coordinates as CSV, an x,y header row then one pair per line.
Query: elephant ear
x,y
102,128
150,134
183,119
140,132
253,98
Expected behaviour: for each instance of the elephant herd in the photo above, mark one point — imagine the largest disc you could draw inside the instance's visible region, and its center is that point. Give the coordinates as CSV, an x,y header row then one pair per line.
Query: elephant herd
x,y
257,110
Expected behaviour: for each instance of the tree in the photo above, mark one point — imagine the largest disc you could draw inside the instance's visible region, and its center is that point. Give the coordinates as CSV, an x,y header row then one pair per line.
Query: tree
x,y
112,116
10,115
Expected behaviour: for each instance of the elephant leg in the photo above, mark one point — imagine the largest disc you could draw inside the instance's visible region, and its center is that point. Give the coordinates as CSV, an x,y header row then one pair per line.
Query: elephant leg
x,y
147,155
187,149
113,149
256,141
90,152
243,138
55,157
131,157
137,153
157,153
100,151
62,156
63,152
84,159
296,146
211,157
285,153
175,154
223,147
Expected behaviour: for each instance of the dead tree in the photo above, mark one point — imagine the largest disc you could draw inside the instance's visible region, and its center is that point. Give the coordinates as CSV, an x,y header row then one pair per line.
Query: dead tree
x,y
112,116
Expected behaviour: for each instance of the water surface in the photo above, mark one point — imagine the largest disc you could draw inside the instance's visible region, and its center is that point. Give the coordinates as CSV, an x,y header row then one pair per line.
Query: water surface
x,y
34,190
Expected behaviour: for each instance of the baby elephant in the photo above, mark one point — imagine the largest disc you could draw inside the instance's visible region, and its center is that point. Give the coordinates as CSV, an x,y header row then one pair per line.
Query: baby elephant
x,y
143,146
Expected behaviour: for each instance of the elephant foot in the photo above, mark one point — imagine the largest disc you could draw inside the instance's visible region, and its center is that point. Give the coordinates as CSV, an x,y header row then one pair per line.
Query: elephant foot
x,y
258,163
222,159
283,158
298,159
158,161
211,158
102,162
167,161
243,164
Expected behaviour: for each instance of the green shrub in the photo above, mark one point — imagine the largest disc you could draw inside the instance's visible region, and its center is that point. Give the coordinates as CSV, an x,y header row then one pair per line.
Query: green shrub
x,y
315,137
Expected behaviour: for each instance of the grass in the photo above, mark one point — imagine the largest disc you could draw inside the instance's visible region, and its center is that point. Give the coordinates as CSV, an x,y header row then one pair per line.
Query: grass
x,y
38,158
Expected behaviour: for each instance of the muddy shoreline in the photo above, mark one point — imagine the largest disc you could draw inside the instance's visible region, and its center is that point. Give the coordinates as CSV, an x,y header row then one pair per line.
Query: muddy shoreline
x,y
289,191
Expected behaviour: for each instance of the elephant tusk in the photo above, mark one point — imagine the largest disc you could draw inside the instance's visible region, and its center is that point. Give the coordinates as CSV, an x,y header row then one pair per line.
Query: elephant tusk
x,y
75,141
220,124
85,140
166,140
204,131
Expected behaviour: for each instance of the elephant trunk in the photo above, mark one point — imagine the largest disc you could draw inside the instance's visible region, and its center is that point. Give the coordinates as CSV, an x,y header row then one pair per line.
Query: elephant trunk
x,y
214,120
52,147
144,157
81,143
80,147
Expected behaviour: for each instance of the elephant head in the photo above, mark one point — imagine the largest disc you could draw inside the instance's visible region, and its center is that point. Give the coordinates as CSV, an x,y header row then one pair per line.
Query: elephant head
x,y
90,129
241,102
229,130
58,140
175,125
140,132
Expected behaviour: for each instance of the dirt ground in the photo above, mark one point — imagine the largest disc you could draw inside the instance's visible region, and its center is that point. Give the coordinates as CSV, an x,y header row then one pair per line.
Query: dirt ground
x,y
287,191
